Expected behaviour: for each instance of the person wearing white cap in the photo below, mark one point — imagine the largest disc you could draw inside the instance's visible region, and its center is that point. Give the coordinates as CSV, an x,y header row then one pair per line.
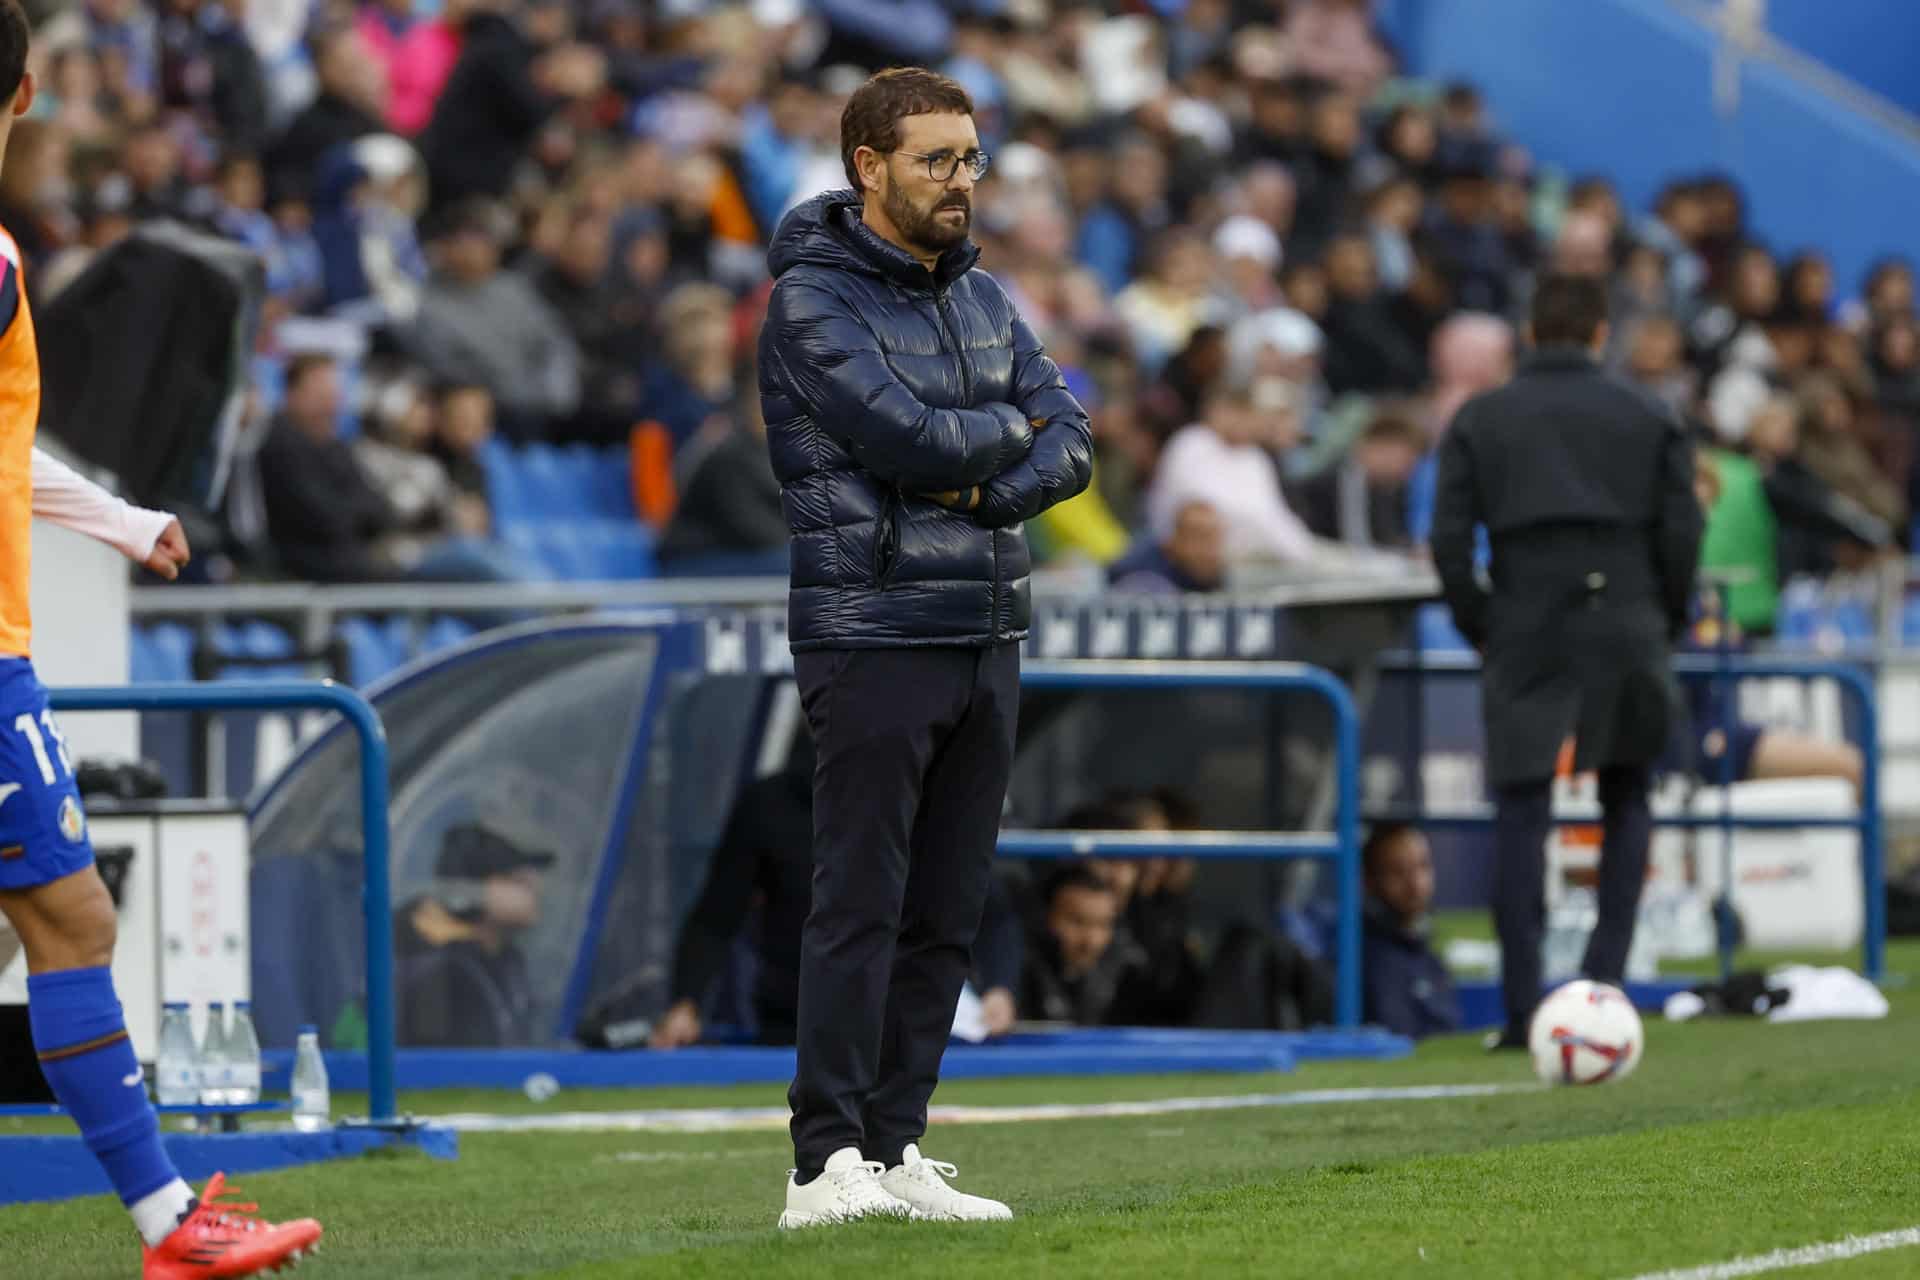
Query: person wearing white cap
x,y
1250,256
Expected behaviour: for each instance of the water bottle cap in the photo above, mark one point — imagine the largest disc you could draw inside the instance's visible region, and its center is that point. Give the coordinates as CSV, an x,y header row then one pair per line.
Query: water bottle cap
x,y
308,1029
243,1005
216,1004
174,1005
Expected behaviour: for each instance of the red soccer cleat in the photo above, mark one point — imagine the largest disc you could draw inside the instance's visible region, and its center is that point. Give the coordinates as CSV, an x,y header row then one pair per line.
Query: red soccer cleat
x,y
223,1240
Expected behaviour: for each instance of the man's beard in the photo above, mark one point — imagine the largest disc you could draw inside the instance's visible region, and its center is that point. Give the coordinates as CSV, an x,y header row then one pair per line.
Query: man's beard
x,y
924,228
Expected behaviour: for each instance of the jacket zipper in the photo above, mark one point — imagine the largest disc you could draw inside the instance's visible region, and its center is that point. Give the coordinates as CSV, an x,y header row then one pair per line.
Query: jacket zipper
x,y
966,398
890,530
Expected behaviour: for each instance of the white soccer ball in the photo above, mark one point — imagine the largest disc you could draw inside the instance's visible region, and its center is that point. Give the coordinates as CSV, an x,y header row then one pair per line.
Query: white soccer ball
x,y
1585,1033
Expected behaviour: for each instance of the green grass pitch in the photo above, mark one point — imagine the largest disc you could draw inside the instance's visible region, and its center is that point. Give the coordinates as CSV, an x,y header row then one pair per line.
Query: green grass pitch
x,y
1734,1138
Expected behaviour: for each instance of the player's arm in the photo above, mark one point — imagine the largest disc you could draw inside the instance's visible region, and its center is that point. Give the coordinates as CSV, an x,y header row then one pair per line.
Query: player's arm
x,y
64,497
829,358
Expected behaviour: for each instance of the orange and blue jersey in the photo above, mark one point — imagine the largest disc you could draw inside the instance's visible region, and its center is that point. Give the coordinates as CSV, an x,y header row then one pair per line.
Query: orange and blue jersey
x,y
19,414
43,830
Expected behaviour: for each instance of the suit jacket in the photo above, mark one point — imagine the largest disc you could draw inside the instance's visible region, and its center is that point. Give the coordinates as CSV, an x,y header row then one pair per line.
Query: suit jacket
x,y
1585,487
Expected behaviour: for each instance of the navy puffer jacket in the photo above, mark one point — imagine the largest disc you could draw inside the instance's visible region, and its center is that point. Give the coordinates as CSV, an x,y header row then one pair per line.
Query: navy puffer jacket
x,y
882,382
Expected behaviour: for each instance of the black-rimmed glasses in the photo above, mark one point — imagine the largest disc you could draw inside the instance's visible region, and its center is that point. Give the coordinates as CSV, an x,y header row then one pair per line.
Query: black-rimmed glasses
x,y
943,164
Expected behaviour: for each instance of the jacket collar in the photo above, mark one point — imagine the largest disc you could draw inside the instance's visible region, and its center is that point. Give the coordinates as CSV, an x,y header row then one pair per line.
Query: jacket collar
x,y
827,231
1559,358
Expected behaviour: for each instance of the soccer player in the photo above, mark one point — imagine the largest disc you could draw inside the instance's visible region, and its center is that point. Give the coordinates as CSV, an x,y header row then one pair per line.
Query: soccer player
x,y
50,891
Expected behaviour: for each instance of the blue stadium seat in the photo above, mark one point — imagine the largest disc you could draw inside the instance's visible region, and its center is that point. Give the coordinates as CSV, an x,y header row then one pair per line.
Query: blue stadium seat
x,y
170,648
445,633
371,651
544,475
612,483
1434,631
619,550
506,486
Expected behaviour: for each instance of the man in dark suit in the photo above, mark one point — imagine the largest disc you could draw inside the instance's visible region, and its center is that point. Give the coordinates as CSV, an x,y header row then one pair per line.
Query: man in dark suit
x,y
1584,485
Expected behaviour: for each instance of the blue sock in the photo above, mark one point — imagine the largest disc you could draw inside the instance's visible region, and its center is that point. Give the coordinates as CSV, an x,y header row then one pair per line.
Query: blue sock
x,y
88,1060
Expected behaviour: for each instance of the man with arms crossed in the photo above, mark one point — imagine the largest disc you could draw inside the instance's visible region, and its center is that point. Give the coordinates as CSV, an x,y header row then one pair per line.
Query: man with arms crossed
x,y
915,424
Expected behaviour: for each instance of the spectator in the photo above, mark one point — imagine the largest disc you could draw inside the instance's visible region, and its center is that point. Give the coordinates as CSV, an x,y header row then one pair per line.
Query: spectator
x,y
367,194
1366,351
463,425
351,104
151,159
1808,293
695,377
417,56
729,520
1465,236
323,514
479,324
1114,232
1831,450
1817,527
498,96
1361,500
394,453
1224,460
585,291
1164,307
1406,987
208,67
1393,213
1328,172
1081,966
1249,254
1409,138
1656,352
1191,558
463,979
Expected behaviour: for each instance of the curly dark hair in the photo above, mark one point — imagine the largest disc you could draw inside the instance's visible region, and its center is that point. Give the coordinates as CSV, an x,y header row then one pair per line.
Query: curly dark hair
x,y
15,33
874,112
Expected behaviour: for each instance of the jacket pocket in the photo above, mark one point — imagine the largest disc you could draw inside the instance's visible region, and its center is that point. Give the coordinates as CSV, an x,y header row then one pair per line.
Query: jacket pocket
x,y
886,540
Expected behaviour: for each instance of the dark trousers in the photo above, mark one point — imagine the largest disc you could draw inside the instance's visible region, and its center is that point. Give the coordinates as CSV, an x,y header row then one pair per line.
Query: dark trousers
x,y
1523,814
913,749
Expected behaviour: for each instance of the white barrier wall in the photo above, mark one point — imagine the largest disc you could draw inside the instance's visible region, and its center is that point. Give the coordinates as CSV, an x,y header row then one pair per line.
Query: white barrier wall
x,y
80,633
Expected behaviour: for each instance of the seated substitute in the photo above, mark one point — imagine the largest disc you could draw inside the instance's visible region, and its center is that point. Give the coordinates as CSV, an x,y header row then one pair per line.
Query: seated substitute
x,y
1406,987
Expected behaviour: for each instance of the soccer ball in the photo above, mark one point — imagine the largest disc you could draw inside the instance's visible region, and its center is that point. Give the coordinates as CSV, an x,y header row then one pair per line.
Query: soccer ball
x,y
1585,1033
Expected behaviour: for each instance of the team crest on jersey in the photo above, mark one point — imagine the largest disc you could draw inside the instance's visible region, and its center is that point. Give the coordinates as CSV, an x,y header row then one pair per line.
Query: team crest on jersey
x,y
73,823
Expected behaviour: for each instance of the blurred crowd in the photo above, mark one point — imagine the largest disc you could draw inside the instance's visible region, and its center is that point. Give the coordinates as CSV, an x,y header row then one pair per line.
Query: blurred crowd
x,y
1271,267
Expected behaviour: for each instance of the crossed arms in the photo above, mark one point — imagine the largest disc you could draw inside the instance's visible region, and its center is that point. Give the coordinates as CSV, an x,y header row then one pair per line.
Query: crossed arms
x,y
1000,462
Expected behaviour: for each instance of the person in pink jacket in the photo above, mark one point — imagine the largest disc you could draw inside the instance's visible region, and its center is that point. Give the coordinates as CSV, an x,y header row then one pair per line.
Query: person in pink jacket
x,y
418,56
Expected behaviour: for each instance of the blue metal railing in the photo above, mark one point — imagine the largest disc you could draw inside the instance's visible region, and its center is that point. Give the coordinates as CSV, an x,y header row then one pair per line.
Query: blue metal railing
x,y
1722,669
1341,846
377,893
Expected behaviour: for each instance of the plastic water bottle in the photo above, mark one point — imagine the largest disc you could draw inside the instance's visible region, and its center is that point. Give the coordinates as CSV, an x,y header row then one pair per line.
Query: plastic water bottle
x,y
243,1056
176,1073
215,1076
312,1104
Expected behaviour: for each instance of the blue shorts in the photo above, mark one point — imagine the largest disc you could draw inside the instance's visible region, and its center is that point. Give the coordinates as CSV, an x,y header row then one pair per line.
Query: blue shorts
x,y
43,829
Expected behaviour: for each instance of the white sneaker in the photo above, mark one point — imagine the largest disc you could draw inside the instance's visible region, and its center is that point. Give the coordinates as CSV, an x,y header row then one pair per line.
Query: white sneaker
x,y
922,1183
849,1189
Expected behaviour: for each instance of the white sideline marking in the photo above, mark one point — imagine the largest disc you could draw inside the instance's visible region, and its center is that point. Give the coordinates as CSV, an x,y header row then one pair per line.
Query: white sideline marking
x,y
1782,1259
722,1119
